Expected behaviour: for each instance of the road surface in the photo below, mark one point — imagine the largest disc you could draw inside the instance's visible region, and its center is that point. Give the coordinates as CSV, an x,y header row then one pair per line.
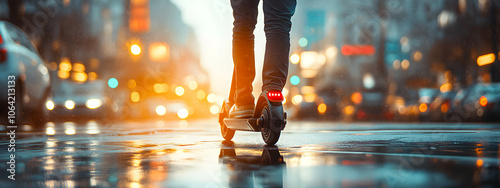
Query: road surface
x,y
308,154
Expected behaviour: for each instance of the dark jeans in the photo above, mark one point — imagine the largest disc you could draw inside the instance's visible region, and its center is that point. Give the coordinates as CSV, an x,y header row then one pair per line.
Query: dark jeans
x,y
277,25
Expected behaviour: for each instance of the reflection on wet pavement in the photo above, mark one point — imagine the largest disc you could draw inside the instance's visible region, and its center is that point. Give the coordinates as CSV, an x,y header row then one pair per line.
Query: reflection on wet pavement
x,y
90,154
251,170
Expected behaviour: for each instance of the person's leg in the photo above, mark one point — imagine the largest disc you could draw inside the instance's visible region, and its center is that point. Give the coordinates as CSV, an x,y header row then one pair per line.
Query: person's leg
x,y
245,17
277,17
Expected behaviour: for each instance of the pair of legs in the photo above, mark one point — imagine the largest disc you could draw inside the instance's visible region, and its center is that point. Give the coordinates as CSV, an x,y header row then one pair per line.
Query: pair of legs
x,y
277,25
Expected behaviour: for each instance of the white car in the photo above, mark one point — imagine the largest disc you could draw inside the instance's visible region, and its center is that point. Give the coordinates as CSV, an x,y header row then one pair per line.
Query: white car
x,y
21,64
79,100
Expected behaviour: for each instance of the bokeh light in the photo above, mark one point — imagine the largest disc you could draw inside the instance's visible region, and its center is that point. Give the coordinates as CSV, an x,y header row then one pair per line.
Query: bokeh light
x,y
49,105
211,98
131,84
69,104
483,101
179,91
294,58
160,110
113,83
183,113
135,49
322,108
200,94
294,80
192,85
92,76
135,97
405,64
214,109
303,42
297,99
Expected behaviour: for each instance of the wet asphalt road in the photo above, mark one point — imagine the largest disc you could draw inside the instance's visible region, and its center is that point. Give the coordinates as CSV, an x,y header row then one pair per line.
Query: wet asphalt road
x,y
308,154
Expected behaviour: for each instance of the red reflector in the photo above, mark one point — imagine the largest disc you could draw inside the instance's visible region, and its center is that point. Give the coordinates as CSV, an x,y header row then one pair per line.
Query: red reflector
x,y
3,55
349,50
275,96
1,39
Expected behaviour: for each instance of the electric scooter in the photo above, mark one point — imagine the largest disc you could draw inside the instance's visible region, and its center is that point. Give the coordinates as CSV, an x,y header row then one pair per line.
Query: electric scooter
x,y
268,118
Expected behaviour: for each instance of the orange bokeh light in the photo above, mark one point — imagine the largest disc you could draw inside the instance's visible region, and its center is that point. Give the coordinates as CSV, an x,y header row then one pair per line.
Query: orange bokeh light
x,y
479,163
483,101
356,97
422,107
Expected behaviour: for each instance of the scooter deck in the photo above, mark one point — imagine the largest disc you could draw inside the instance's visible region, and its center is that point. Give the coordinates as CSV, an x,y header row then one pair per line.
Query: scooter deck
x,y
242,124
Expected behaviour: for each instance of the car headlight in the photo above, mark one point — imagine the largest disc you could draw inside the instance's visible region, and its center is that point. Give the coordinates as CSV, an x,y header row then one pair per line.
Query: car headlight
x,y
368,81
183,113
160,110
93,103
69,104
50,105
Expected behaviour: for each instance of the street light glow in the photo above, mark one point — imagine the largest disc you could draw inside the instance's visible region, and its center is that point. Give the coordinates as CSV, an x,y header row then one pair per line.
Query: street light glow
x,y
159,52
357,97
135,97
486,59
179,91
294,58
193,85
93,103
65,65
211,98
405,64
297,99
322,108
160,110
214,109
135,49
183,113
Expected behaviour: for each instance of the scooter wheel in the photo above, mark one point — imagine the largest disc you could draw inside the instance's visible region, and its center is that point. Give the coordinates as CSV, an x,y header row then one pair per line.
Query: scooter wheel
x,y
270,137
226,132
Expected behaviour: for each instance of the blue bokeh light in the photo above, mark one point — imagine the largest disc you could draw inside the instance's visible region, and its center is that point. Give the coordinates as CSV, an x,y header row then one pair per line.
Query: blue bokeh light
x,y
295,80
113,83
303,42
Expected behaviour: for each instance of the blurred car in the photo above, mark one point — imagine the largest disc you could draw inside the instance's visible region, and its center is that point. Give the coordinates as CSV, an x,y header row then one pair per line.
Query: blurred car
x,y
85,100
19,58
372,106
479,102
405,107
320,106
440,106
158,106
489,102
426,96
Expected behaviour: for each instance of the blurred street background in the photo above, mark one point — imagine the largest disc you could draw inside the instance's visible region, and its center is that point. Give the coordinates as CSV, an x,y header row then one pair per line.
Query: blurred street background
x,y
380,93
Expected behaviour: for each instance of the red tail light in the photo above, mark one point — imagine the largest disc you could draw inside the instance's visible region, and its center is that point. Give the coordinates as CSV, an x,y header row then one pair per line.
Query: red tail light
x,y
361,114
389,116
275,96
3,55
445,107
3,52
